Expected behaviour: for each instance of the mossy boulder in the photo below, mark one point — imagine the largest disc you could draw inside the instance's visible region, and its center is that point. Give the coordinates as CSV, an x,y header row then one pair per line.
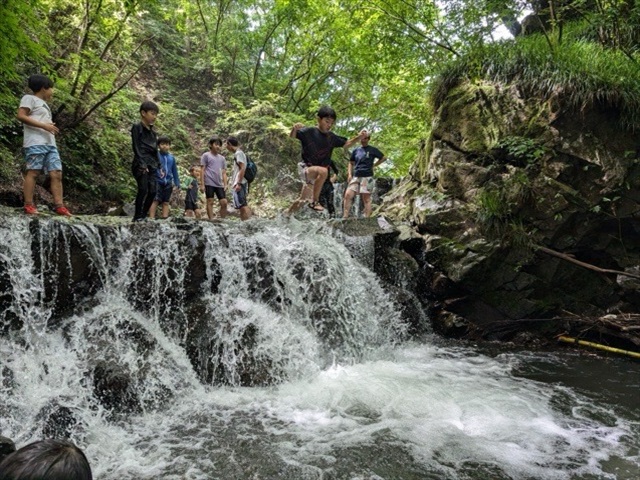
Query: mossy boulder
x,y
504,173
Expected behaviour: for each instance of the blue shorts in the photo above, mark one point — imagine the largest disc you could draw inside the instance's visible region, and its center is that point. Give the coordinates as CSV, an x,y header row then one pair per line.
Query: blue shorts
x,y
240,197
163,193
42,157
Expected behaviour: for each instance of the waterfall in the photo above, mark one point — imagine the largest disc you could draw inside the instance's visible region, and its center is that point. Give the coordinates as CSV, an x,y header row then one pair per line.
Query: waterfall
x,y
262,349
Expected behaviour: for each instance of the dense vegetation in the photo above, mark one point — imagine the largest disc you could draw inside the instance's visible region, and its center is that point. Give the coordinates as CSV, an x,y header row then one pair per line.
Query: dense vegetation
x,y
255,67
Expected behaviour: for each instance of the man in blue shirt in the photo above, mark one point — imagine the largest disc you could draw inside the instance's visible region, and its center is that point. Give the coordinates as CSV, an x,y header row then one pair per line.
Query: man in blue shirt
x,y
360,174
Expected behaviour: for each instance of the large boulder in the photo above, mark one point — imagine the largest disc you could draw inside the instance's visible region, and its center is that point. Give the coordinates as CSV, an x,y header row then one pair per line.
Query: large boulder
x,y
527,208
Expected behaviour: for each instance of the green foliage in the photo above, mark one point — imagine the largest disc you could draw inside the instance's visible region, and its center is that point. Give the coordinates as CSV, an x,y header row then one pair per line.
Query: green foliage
x,y
253,68
525,150
498,209
579,74
492,207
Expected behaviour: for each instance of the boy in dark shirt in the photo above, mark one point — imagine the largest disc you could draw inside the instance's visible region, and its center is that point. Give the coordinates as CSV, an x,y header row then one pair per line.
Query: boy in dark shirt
x,y
360,174
317,146
145,158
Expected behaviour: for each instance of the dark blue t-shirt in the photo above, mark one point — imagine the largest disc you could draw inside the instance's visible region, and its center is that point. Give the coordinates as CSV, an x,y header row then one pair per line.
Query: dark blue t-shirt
x,y
364,158
317,146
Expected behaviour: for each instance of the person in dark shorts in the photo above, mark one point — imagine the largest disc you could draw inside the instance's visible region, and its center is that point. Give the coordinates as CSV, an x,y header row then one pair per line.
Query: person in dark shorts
x,y
326,194
317,146
167,178
191,198
213,177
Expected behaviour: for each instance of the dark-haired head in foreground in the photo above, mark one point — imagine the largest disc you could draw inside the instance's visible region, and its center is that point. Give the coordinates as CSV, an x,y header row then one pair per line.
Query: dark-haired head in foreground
x,y
46,460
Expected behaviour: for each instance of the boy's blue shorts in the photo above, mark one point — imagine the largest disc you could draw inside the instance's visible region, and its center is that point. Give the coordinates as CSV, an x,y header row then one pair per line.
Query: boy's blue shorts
x,y
42,157
240,197
163,193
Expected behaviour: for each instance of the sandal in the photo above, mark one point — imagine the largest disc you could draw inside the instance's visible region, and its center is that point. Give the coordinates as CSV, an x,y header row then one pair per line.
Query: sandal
x,y
316,206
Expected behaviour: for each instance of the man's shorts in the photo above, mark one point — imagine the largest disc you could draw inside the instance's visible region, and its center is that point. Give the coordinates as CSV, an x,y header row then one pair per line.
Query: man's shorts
x,y
42,157
240,197
163,193
360,184
302,173
217,192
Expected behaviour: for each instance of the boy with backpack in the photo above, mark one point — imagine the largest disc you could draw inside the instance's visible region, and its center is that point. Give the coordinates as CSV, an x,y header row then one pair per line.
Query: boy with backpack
x,y
166,178
240,183
40,151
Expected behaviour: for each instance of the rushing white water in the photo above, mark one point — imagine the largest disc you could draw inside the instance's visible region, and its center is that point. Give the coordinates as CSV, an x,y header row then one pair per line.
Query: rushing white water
x,y
339,393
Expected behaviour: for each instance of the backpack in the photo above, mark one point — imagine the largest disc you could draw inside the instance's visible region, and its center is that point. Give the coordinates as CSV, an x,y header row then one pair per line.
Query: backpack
x,y
251,170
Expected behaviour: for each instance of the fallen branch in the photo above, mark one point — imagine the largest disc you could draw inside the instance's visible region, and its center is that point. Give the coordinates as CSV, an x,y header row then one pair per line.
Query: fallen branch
x,y
599,346
569,258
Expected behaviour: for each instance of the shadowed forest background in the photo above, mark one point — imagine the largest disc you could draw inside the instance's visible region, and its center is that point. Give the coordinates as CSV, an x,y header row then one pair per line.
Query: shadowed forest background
x,y
253,68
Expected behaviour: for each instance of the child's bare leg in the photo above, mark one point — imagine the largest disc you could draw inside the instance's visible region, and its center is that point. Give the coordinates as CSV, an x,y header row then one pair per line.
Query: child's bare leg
x,y
348,201
29,185
152,209
366,199
165,210
223,207
245,213
305,194
318,175
189,213
210,208
56,186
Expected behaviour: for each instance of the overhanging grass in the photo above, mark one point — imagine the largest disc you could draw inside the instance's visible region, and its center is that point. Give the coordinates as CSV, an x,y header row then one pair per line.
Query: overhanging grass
x,y
578,73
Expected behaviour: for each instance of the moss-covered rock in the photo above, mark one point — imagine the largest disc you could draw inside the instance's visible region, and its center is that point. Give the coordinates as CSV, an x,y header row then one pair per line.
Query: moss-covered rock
x,y
504,172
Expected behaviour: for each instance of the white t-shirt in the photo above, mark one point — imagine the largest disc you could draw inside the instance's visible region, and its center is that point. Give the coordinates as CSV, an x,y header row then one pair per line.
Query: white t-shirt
x,y
239,157
38,110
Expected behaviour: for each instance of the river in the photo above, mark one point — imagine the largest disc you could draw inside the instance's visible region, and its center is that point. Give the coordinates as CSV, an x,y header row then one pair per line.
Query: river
x,y
338,389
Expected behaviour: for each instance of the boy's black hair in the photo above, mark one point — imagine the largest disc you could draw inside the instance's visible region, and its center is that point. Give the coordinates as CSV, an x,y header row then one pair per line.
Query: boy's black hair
x,y
215,139
233,141
39,82
164,139
149,106
326,111
46,460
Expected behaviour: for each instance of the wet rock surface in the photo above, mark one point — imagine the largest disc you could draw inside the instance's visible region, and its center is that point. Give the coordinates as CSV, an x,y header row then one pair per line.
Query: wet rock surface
x,y
528,210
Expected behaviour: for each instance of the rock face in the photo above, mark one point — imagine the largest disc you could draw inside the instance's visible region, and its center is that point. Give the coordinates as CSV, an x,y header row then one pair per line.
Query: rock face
x,y
503,175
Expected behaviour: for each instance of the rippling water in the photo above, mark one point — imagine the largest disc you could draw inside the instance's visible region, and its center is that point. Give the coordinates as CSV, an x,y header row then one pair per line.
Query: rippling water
x,y
354,401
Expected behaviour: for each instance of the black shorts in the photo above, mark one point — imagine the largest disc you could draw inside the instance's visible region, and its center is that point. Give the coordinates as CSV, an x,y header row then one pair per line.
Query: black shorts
x,y
217,192
163,193
190,205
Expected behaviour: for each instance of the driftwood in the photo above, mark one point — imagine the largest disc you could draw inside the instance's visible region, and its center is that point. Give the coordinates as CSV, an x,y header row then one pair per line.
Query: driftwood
x,y
599,346
619,330
569,258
